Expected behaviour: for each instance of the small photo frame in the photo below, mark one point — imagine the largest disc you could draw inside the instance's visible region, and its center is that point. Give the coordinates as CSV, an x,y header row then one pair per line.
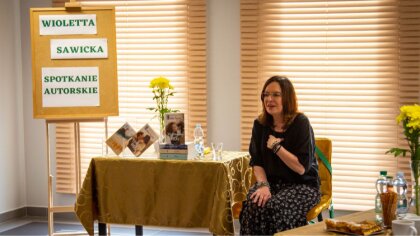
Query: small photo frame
x,y
142,140
119,140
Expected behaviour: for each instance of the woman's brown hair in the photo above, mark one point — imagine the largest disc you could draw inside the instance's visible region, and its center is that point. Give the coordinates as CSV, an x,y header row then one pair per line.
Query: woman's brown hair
x,y
169,128
289,102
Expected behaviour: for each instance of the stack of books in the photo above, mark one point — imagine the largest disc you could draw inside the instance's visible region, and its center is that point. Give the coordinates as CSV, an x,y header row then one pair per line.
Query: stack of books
x,y
176,152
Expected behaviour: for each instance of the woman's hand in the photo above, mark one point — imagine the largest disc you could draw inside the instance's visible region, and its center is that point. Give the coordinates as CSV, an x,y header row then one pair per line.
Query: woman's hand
x,y
272,140
261,196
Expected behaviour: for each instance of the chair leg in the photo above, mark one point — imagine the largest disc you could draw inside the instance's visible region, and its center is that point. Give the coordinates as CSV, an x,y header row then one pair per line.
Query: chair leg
x,y
320,217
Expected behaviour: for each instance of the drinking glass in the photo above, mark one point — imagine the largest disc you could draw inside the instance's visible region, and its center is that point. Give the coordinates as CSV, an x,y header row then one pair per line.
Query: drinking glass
x,y
217,149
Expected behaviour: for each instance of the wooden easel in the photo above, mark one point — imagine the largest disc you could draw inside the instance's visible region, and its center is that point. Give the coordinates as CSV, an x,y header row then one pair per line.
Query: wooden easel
x,y
60,209
63,113
73,5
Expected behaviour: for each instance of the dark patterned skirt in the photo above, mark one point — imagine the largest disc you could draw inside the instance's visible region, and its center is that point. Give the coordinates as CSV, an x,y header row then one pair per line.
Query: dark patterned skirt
x,y
286,209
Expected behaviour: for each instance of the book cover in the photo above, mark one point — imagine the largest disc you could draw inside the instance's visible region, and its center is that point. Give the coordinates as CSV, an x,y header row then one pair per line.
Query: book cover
x,y
142,140
174,128
119,140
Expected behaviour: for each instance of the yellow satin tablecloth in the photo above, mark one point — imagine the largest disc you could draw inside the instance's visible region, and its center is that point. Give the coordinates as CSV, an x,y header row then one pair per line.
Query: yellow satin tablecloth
x,y
174,193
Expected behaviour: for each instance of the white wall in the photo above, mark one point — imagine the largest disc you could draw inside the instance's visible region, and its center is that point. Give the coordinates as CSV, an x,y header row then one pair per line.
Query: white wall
x,y
35,141
223,72
223,98
12,163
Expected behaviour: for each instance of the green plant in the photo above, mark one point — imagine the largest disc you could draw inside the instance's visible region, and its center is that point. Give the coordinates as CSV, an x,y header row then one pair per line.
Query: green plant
x,y
410,119
162,90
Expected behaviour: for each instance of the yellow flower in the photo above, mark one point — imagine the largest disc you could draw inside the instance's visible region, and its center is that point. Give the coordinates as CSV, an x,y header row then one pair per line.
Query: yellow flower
x,y
162,90
409,117
160,82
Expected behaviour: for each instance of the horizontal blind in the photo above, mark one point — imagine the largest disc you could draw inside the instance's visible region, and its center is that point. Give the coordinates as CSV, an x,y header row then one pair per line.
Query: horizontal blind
x,y
409,66
65,161
344,59
154,38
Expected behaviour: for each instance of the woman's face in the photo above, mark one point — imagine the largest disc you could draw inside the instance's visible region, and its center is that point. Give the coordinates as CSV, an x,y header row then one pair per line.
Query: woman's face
x,y
174,128
273,99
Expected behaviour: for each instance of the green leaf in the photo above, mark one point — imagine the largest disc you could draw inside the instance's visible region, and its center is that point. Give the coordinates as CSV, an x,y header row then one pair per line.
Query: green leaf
x,y
397,152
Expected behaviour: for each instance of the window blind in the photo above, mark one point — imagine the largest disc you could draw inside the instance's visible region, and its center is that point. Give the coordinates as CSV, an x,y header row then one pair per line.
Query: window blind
x,y
154,38
353,63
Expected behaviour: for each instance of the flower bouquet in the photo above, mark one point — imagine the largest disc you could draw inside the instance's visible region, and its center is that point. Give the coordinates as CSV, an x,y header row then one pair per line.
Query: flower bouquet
x,y
162,90
409,117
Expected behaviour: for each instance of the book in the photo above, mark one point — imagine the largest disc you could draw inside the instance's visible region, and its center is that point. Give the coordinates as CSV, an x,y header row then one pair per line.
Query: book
x,y
173,156
177,152
174,151
142,140
172,146
174,128
119,140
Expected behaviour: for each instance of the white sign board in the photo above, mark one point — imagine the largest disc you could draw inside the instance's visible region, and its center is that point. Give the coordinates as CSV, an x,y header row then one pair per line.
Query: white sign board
x,y
67,24
79,48
70,86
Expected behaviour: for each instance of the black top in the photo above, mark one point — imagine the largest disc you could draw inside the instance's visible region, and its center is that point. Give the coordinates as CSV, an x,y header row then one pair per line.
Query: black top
x,y
297,139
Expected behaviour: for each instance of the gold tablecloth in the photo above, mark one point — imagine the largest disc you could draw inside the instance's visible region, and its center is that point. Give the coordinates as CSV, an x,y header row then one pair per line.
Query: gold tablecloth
x,y
174,193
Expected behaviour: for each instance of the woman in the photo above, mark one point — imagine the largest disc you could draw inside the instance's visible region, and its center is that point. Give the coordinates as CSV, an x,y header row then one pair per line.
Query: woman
x,y
282,156
172,131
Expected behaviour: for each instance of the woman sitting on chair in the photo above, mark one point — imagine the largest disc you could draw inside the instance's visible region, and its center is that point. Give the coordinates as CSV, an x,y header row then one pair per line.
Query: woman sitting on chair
x,y
282,156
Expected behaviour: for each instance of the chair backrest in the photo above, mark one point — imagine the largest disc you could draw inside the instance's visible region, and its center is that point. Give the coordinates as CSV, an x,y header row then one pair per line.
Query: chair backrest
x,y
325,146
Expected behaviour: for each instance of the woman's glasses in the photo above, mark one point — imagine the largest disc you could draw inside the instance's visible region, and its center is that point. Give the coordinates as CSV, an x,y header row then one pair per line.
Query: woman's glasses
x,y
273,94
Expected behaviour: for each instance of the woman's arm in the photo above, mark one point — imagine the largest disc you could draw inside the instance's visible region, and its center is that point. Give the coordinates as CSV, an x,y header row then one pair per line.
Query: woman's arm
x,y
262,194
259,174
287,157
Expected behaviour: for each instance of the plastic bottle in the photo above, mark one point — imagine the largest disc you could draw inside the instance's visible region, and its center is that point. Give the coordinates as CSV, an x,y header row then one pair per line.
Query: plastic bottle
x,y
381,187
199,140
389,184
400,187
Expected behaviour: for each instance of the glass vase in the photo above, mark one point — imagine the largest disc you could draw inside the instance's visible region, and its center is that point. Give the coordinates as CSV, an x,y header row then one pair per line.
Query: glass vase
x,y
161,140
415,180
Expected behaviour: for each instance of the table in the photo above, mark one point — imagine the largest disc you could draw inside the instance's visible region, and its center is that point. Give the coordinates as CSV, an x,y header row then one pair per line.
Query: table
x,y
319,228
174,193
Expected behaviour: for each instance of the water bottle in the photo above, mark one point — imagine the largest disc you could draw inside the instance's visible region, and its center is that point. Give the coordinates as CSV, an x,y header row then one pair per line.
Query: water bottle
x,y
199,140
381,186
400,187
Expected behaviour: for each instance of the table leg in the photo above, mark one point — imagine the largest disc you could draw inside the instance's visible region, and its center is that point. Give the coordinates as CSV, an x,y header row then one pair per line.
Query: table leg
x,y
102,228
139,230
